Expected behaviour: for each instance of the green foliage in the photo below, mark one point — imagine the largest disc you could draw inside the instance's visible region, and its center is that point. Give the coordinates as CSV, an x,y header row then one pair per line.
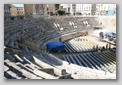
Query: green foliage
x,y
61,12
67,13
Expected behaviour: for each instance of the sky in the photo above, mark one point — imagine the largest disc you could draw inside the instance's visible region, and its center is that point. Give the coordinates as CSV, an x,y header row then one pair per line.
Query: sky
x,y
18,5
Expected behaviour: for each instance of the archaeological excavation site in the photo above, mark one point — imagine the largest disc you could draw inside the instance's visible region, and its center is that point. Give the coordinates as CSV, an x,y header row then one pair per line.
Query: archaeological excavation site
x,y
60,47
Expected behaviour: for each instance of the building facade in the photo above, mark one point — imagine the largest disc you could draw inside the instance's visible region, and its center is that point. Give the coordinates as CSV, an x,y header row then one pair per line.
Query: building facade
x,y
13,11
20,11
77,9
53,8
16,12
89,9
84,9
41,9
66,7
35,10
103,9
93,9
7,13
29,9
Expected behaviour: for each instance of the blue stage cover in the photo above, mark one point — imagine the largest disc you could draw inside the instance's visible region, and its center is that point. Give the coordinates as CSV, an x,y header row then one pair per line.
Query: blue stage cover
x,y
55,46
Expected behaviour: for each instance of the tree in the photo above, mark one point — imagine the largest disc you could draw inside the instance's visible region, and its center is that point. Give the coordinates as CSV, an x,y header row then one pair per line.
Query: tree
x,y
61,12
67,13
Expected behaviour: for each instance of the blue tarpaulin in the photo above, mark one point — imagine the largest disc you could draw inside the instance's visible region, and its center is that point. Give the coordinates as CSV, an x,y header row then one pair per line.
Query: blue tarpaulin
x,y
55,46
111,12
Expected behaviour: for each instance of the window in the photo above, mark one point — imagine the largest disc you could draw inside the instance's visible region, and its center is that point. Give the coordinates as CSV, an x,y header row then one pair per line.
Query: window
x,y
104,8
73,5
68,9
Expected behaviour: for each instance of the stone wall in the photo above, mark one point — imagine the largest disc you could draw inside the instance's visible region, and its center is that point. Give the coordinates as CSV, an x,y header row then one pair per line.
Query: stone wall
x,y
72,35
32,45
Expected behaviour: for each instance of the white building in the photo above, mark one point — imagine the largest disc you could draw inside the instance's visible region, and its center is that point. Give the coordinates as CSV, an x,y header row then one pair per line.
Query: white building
x,y
103,9
66,7
77,9
84,9
89,9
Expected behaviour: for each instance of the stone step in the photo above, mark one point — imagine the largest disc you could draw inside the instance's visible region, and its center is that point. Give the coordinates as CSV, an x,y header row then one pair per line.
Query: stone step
x,y
8,76
21,71
44,74
8,56
47,70
14,75
18,58
6,68
45,65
